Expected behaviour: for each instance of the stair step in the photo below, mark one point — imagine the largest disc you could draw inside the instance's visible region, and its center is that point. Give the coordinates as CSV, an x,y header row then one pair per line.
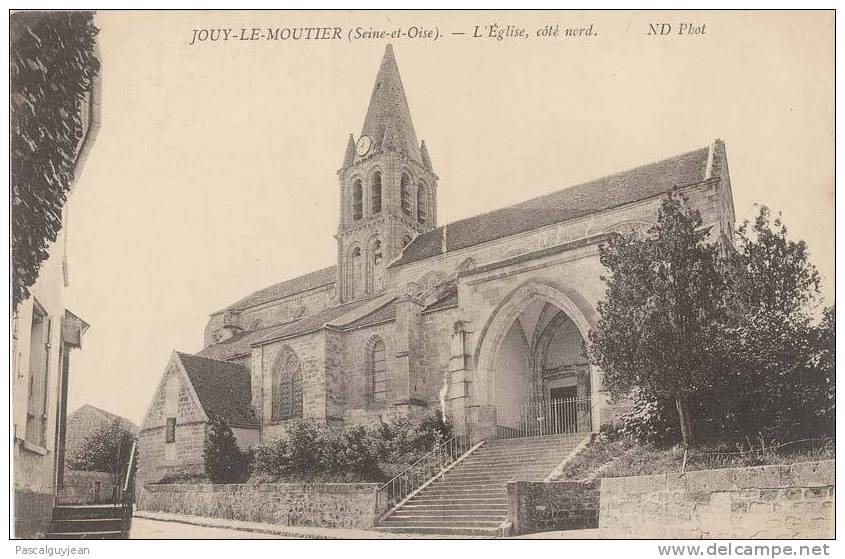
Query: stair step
x,y
459,501
87,511
406,522
86,525
514,460
467,491
441,531
505,456
471,499
474,510
448,518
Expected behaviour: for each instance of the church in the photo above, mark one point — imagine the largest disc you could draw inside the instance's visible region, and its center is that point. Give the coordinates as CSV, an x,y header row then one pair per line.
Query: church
x,y
482,319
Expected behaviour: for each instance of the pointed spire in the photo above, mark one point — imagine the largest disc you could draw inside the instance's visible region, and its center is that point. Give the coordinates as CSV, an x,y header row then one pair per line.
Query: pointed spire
x,y
388,104
349,156
392,140
426,160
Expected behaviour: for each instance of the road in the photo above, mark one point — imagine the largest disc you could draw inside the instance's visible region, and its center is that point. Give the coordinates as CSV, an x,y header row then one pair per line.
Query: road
x,y
146,529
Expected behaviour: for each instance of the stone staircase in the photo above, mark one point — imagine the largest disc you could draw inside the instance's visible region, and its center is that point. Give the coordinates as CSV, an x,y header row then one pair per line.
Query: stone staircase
x,y
471,498
87,522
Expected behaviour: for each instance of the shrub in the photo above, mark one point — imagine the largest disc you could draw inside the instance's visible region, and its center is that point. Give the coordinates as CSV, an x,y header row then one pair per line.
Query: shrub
x,y
224,461
648,422
406,438
313,451
105,450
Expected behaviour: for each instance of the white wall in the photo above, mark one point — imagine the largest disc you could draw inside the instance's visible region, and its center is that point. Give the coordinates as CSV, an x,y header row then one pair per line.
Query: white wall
x,y
513,377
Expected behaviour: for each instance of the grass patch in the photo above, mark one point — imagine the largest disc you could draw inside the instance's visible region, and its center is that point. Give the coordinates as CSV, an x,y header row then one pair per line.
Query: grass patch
x,y
618,458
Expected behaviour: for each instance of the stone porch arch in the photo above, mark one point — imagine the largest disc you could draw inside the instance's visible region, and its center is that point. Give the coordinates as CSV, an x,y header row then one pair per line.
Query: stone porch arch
x,y
492,335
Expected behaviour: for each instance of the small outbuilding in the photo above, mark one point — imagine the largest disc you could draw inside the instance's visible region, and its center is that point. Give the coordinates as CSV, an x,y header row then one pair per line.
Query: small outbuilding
x,y
191,392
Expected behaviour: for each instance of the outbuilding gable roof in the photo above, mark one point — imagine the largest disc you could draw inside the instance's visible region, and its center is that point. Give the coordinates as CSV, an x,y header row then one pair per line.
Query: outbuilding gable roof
x,y
223,388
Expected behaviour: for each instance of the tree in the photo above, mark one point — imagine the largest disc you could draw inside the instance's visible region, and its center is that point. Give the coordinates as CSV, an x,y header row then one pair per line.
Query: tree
x,y
105,450
52,68
224,460
663,298
775,363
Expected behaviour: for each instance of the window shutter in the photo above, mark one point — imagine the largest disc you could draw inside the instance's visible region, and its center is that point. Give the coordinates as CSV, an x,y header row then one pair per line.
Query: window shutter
x,y
46,398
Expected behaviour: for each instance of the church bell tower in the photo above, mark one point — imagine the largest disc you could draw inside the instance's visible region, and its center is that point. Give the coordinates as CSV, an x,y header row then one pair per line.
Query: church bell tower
x,y
388,189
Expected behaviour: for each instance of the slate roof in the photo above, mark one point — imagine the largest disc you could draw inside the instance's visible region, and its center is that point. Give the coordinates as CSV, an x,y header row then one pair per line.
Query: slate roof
x,y
319,278
388,312
223,388
449,299
388,121
238,344
312,322
381,314
571,203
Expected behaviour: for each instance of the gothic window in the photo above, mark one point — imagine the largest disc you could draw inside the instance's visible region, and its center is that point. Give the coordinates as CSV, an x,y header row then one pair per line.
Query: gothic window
x,y
357,201
375,280
405,194
375,193
354,282
287,387
377,372
422,207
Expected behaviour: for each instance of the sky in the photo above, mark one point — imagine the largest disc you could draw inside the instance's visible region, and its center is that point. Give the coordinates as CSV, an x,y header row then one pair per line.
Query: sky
x,y
214,171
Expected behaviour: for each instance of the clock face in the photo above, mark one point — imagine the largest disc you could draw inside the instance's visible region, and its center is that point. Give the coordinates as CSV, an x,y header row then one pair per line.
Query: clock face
x,y
363,145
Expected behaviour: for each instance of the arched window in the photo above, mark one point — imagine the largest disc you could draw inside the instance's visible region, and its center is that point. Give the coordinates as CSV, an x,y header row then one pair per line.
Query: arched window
x,y
287,387
422,206
353,274
376,372
375,193
375,277
357,201
405,194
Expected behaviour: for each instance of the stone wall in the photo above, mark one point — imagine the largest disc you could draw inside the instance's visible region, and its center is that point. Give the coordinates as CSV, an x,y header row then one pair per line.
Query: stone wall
x,y
310,349
274,312
359,410
542,506
332,505
705,197
152,465
783,501
85,488
435,351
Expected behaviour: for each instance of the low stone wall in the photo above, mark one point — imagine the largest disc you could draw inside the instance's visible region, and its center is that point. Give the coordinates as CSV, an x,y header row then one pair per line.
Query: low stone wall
x,y
782,501
330,505
542,506
86,488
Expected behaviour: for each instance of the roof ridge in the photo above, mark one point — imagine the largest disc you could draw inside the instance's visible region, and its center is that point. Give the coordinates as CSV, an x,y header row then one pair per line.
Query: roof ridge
x,y
195,356
576,185
242,301
593,196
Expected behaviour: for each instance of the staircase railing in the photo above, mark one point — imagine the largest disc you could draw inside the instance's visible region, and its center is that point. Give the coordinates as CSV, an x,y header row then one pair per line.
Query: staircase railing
x,y
537,419
125,495
423,470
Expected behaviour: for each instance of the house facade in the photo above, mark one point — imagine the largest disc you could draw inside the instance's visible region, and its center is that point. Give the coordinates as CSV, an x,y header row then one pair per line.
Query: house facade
x,y
478,318
44,334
